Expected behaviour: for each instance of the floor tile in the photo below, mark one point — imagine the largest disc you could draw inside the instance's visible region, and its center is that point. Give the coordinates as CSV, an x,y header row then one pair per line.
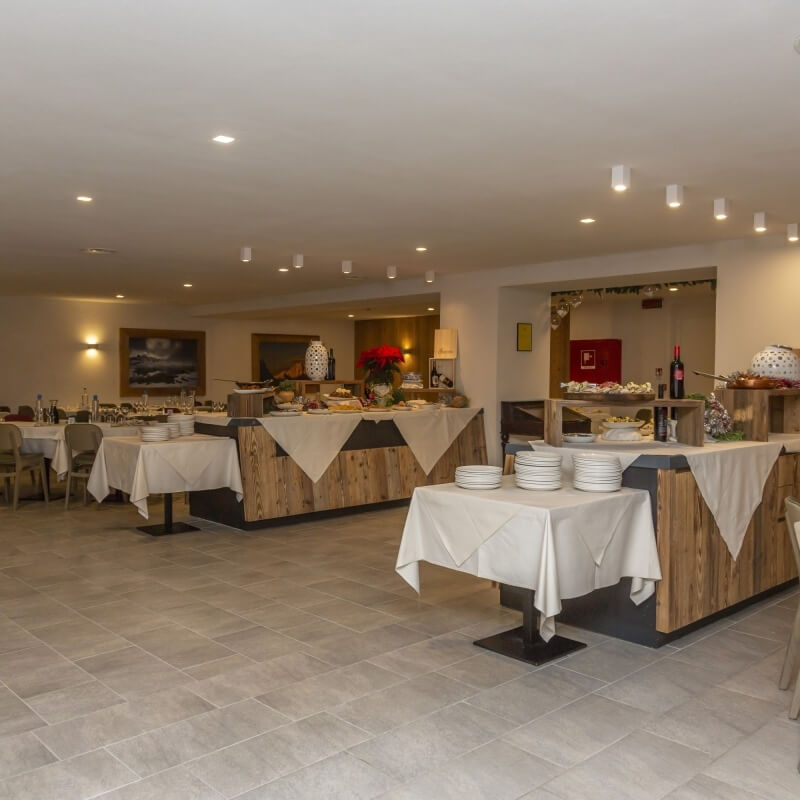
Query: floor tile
x,y
74,701
172,784
495,771
485,670
577,731
726,652
639,767
611,660
535,693
765,763
179,646
37,670
427,655
701,787
260,643
431,741
15,715
79,639
22,753
340,777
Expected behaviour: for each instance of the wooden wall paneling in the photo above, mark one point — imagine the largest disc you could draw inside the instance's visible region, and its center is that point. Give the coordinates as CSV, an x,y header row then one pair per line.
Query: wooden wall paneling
x,y
413,335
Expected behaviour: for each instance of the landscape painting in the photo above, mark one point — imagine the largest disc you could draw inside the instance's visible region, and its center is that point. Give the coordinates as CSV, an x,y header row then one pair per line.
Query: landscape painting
x,y
161,362
280,356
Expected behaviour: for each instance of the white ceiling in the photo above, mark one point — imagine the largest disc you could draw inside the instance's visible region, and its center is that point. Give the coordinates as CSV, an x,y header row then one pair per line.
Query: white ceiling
x,y
481,129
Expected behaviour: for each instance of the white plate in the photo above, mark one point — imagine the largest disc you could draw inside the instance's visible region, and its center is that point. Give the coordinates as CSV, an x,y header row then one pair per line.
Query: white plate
x,y
402,408
637,424
579,438
284,413
478,486
319,411
598,489
289,406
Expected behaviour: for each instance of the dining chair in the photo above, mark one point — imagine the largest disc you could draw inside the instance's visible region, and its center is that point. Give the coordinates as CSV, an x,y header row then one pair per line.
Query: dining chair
x,y
791,664
13,463
5,408
26,411
83,441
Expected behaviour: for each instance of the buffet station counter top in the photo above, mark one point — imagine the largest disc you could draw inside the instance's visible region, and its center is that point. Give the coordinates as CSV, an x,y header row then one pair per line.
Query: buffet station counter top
x,y
296,464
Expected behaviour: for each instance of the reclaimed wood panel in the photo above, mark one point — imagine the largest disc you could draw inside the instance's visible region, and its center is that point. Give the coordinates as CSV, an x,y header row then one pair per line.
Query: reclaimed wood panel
x,y
274,486
699,576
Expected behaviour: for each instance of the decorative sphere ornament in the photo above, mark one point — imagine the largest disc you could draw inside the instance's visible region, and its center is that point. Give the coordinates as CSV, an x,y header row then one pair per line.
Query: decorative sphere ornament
x,y
316,361
777,361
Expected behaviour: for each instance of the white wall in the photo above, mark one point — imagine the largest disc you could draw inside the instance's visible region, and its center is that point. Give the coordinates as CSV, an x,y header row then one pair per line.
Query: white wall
x,y
43,345
648,335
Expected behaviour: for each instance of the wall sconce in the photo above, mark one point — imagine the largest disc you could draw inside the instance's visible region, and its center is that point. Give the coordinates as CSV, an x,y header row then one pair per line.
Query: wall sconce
x,y
92,348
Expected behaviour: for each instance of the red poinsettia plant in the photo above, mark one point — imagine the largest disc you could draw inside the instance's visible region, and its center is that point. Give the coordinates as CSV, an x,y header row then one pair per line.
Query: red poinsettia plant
x,y
380,363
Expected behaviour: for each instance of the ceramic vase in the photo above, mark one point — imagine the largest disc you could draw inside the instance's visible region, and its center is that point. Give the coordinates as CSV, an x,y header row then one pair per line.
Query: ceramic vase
x,y
316,361
381,392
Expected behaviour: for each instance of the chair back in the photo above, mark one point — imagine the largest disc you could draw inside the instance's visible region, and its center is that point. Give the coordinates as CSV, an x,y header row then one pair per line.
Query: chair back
x,y
793,517
5,408
10,439
82,437
17,418
25,411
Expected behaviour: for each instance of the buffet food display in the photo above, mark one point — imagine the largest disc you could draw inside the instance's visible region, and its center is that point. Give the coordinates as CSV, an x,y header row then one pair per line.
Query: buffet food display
x,y
583,390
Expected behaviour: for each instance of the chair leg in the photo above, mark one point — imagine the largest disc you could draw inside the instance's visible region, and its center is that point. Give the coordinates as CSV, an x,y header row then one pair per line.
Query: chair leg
x,y
794,710
790,662
42,469
86,491
69,486
17,479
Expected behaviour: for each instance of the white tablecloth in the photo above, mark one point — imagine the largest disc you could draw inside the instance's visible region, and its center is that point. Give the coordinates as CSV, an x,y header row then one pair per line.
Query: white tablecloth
x,y
789,441
49,441
729,475
560,544
186,464
314,440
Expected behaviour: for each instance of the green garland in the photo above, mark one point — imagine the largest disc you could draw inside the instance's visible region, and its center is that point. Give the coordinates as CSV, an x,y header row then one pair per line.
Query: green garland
x,y
712,282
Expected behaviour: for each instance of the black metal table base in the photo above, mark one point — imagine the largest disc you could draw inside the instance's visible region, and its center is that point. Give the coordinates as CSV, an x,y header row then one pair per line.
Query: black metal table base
x,y
525,643
169,527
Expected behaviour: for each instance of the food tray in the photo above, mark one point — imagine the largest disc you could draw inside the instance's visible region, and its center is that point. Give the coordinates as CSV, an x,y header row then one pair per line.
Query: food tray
x,y
609,398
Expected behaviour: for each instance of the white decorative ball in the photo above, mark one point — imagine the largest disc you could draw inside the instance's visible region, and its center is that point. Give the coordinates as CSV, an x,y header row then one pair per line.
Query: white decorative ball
x,y
777,361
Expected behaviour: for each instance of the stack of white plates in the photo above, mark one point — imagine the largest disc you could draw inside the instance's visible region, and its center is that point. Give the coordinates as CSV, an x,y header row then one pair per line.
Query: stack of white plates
x,y
178,417
154,433
186,426
174,429
596,472
537,470
479,477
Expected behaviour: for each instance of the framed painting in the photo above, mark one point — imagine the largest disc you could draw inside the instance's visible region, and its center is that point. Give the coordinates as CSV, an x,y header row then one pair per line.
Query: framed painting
x,y
279,356
161,362
524,336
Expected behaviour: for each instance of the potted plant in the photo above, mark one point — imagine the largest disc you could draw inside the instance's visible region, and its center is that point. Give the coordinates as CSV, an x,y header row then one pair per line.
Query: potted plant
x,y
285,393
381,364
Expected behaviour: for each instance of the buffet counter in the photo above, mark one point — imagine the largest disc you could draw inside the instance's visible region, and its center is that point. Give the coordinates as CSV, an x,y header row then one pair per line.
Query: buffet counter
x,y
718,513
292,466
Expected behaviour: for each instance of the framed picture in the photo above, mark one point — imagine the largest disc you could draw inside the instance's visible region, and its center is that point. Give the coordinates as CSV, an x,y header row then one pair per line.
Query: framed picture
x,y
525,336
161,362
279,356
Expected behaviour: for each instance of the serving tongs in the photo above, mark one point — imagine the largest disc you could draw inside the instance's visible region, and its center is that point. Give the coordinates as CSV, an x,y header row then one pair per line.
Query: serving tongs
x,y
727,379
266,383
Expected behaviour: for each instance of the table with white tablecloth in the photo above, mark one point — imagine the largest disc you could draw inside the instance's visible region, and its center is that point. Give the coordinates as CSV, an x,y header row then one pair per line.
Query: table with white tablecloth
x,y
50,442
185,464
558,544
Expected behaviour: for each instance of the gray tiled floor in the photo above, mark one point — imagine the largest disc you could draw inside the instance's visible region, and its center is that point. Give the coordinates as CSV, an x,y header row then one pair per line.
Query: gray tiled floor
x,y
294,663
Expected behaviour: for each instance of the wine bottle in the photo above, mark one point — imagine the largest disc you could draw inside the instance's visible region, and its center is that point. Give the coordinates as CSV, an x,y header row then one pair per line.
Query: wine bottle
x,y
660,427
676,389
95,408
434,377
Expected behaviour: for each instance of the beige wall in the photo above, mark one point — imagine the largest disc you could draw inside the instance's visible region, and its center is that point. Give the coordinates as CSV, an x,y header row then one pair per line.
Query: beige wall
x,y
649,335
43,345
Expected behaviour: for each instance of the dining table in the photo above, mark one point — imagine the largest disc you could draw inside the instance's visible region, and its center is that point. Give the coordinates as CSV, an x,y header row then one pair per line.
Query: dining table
x,y
184,464
551,545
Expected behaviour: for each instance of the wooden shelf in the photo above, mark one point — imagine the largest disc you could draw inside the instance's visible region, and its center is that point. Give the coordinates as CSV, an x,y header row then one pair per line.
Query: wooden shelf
x,y
314,387
759,412
691,417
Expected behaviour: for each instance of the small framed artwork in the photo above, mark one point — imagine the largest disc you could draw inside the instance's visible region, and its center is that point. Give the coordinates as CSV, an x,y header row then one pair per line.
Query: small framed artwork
x,y
161,362
524,336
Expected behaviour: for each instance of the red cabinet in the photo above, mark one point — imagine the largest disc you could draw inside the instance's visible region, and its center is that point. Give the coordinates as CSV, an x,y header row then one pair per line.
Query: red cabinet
x,y
595,360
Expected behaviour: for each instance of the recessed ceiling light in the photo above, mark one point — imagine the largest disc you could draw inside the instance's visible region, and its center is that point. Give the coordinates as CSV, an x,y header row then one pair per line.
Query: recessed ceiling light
x,y
222,139
347,267
246,255
120,296
98,251
721,208
791,232
430,276
421,249
391,272
283,269
84,198
674,195
431,308
588,220
673,288
187,285
760,221
620,178
297,261
350,316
